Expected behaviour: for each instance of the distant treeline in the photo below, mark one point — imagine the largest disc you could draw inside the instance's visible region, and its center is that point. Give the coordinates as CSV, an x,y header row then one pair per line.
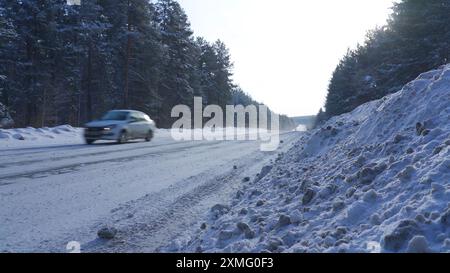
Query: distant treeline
x,y
416,39
65,63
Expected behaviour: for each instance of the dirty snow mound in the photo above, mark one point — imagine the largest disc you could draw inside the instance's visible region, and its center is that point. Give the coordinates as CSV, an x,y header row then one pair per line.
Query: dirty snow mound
x,y
376,179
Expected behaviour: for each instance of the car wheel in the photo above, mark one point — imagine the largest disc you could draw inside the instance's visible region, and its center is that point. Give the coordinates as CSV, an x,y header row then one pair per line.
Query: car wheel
x,y
149,136
123,138
89,141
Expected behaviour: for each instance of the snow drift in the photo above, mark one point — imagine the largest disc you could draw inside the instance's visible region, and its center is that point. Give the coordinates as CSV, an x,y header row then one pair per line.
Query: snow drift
x,y
373,180
25,137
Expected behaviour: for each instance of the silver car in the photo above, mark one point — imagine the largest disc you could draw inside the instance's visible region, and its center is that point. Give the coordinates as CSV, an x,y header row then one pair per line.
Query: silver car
x,y
120,126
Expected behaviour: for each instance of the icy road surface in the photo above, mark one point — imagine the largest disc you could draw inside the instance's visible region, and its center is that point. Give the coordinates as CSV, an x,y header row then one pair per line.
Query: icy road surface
x,y
51,194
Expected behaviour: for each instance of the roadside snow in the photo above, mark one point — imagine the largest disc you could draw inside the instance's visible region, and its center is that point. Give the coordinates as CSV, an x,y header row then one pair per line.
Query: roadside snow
x,y
30,137
373,180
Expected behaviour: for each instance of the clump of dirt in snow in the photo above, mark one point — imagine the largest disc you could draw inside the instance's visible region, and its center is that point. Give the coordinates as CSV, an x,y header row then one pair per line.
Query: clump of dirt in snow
x,y
375,179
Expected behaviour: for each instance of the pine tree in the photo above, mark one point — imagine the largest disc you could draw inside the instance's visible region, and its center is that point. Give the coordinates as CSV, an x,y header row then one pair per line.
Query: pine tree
x,y
95,61
33,75
137,53
215,69
320,118
416,39
176,37
8,39
223,73
146,58
65,63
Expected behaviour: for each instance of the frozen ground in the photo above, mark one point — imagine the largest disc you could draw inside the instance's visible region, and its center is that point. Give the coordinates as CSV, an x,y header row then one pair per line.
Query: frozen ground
x,y
374,180
54,189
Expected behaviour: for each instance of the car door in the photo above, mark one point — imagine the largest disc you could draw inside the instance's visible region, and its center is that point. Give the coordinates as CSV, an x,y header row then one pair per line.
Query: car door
x,y
133,126
143,125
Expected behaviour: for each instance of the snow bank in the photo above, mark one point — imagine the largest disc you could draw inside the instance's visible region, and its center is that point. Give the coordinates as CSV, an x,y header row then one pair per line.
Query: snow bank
x,y
24,137
373,180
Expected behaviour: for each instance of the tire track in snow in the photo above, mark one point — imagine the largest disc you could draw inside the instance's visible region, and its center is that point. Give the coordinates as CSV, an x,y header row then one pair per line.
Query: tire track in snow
x,y
75,166
72,156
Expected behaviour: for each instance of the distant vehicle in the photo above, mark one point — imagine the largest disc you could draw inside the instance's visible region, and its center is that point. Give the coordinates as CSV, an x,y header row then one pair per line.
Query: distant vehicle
x,y
120,126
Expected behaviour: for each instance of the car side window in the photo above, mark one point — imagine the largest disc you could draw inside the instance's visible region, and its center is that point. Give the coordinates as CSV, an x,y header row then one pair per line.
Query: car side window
x,y
133,117
137,117
142,117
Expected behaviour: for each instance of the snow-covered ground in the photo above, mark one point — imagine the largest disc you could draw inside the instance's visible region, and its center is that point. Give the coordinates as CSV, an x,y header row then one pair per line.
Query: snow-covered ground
x,y
374,180
36,137
54,189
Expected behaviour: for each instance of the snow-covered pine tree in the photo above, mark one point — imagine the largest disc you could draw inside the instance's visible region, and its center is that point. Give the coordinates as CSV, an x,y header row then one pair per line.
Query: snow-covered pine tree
x,y
176,37
70,63
94,59
223,73
8,38
34,69
416,39
134,39
215,70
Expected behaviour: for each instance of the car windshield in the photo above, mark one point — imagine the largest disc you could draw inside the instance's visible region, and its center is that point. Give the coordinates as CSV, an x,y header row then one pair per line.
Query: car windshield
x,y
115,115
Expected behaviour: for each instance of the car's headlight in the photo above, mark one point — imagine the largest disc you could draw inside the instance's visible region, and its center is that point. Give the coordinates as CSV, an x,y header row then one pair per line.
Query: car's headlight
x,y
109,128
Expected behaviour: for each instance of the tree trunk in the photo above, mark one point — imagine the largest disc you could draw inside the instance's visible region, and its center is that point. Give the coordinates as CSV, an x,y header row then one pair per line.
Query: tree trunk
x,y
89,84
127,61
44,107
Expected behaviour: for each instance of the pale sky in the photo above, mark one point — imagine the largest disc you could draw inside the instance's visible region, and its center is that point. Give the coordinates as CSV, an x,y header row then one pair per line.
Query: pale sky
x,y
284,51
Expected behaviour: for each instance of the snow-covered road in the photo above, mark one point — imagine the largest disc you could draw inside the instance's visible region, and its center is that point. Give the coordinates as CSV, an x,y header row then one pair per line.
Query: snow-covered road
x,y
53,194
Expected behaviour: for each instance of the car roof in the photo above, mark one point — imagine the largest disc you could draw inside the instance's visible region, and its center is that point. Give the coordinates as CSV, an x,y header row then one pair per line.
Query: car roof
x,y
129,111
